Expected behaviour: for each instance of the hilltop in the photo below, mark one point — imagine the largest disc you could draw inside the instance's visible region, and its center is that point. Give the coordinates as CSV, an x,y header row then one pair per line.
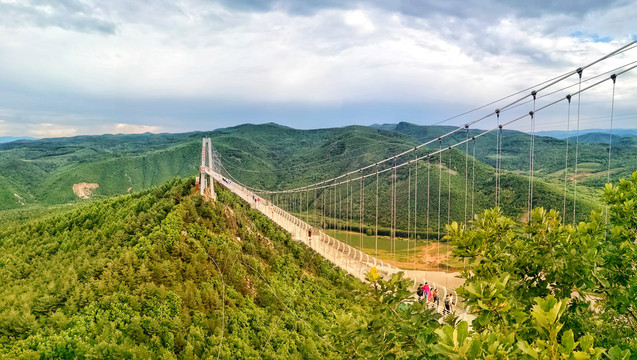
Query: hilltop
x,y
162,274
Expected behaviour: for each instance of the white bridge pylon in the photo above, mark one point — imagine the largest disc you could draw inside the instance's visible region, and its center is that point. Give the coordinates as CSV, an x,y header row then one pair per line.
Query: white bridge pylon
x,y
348,258
206,183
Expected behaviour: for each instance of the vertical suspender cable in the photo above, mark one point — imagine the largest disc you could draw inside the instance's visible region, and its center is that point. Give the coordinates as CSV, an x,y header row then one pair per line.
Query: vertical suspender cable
x,y
323,193
347,200
449,190
428,203
376,231
361,204
466,173
500,165
335,216
395,183
314,219
340,208
568,125
439,199
532,155
415,203
351,211
473,178
610,137
579,102
307,206
497,158
408,211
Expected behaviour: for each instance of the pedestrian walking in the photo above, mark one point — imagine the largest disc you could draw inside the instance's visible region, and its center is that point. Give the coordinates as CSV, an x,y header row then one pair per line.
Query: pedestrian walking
x,y
435,299
425,290
447,310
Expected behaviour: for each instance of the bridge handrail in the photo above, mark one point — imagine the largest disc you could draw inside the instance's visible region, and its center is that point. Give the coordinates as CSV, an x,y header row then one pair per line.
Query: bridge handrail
x,y
339,246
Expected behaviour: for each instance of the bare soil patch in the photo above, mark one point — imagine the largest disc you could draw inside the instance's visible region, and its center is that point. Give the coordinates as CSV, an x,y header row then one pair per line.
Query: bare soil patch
x,y
84,190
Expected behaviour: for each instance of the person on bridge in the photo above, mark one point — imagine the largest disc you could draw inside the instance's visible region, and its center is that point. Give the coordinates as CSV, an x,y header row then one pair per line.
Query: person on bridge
x,y
419,292
448,304
434,296
425,291
309,234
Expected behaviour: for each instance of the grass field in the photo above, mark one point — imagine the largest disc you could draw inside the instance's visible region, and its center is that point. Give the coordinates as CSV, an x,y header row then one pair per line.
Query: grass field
x,y
411,255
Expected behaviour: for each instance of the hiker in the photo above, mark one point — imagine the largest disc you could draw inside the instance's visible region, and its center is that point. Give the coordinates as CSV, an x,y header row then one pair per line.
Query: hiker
x,y
419,292
425,290
309,233
448,304
435,299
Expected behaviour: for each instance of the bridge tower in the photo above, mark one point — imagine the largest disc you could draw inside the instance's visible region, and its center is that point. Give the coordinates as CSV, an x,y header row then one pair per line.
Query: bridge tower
x,y
206,182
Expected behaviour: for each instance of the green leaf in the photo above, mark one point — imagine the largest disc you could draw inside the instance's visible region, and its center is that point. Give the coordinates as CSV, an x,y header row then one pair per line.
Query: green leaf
x,y
616,353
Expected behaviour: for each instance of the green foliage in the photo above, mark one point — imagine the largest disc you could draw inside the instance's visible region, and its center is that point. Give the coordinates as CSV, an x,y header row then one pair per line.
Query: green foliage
x,y
556,289
136,276
397,327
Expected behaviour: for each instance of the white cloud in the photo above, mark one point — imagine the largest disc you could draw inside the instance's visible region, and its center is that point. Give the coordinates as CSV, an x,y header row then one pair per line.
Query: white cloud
x,y
48,130
132,129
325,57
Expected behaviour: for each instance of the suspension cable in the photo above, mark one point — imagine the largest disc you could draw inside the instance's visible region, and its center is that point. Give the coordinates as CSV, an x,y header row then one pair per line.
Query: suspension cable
x,y
415,207
545,86
428,201
568,123
439,201
497,159
610,137
466,176
579,98
473,178
361,205
394,193
408,211
449,190
531,159
376,231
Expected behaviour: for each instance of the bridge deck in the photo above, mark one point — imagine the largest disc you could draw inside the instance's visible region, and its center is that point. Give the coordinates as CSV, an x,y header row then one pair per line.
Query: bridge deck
x,y
348,258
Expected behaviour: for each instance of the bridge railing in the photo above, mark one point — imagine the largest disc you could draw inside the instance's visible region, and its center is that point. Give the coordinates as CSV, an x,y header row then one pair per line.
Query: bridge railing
x,y
350,259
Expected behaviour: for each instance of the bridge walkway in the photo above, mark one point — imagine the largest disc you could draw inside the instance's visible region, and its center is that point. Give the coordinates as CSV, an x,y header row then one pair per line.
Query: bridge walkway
x,y
346,257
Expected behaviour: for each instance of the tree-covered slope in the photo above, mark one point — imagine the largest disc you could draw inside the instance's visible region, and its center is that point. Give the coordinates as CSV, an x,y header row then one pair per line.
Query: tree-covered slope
x,y
42,173
550,153
162,274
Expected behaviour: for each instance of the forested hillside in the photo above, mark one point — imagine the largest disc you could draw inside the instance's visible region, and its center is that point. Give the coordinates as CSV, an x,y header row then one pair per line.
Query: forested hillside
x,y
550,153
162,274
38,174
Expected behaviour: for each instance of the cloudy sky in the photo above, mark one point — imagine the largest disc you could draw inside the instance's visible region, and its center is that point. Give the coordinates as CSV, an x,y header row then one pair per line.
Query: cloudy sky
x,y
72,67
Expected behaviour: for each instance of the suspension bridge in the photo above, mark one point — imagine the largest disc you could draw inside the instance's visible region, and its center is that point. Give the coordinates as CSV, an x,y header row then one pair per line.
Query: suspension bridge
x,y
414,187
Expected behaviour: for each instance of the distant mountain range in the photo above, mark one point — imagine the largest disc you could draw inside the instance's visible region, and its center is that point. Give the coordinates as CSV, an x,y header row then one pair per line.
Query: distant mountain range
x,y
6,139
41,173
561,134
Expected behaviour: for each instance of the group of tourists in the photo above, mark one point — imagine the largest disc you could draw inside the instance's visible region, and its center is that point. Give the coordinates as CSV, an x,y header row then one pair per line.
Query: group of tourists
x,y
429,295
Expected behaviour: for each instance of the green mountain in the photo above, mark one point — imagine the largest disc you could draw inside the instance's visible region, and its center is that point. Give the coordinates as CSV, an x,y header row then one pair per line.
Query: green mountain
x,y
162,274
39,174
549,155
